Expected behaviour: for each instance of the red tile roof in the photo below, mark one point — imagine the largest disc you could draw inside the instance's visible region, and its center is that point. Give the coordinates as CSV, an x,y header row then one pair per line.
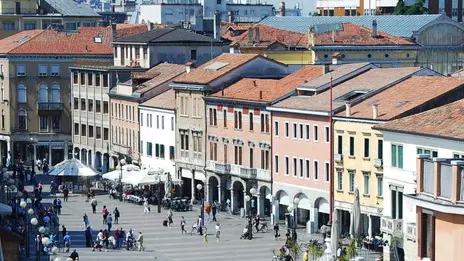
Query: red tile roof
x,y
404,96
230,62
445,122
124,30
354,34
82,42
165,100
268,36
267,90
16,40
161,73
233,31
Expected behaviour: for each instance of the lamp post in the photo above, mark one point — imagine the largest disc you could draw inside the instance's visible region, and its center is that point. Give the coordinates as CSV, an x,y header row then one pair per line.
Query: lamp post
x,y
293,210
158,178
33,142
247,201
202,211
253,192
122,162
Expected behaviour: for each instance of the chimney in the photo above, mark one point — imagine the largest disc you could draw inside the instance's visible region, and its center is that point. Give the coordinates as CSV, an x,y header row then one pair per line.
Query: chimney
x,y
375,111
113,31
222,92
254,83
188,67
348,109
257,34
260,95
282,8
217,25
250,35
325,68
231,18
311,33
336,58
374,29
150,26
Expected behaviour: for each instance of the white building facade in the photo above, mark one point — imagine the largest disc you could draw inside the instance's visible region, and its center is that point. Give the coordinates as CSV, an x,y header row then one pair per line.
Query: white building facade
x,y
400,156
157,138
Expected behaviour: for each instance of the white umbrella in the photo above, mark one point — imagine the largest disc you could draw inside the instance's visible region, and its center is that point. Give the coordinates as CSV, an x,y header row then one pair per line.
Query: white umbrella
x,y
132,178
72,167
5,210
335,233
356,215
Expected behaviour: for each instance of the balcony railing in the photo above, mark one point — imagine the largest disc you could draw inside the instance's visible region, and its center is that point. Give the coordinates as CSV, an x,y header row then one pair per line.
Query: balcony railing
x,y
122,149
411,231
391,226
248,173
429,182
445,180
184,154
49,106
222,168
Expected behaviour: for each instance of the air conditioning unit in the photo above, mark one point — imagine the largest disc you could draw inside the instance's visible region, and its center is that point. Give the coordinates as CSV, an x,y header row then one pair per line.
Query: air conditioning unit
x,y
378,163
55,74
42,74
21,74
338,158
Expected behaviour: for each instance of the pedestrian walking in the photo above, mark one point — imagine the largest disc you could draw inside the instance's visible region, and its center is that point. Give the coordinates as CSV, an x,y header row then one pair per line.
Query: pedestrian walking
x,y
109,222
182,226
276,231
214,210
205,236
88,237
65,194
99,241
116,215
140,242
200,225
67,242
208,211
55,205
169,217
86,220
59,206
94,203
105,239
117,236
146,208
105,214
229,207
218,231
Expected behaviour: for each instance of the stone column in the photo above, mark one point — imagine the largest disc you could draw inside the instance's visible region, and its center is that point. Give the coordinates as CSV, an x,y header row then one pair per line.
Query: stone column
x,y
8,147
275,211
34,156
232,200
140,60
207,192
245,203
369,229
314,218
147,61
66,151
133,53
193,184
219,194
118,51
50,153
258,205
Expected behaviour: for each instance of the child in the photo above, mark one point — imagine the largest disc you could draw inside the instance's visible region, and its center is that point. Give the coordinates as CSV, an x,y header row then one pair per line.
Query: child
x,y
205,236
218,231
182,225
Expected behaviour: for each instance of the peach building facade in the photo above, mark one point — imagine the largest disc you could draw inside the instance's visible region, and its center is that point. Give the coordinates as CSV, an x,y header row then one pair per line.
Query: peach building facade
x,y
301,166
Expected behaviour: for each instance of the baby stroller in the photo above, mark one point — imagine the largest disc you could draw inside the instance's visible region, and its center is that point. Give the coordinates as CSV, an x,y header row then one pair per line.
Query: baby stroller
x,y
165,223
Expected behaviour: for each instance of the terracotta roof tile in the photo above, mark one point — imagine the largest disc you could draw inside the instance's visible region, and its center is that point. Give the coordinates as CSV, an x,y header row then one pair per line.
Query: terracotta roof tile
x,y
233,31
164,72
445,121
267,90
16,40
230,62
268,36
368,81
405,96
354,34
124,30
165,100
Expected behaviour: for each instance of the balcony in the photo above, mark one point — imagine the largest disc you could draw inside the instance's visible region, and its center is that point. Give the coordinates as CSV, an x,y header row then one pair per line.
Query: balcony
x,y
248,173
411,231
338,158
391,226
378,163
222,168
49,106
122,149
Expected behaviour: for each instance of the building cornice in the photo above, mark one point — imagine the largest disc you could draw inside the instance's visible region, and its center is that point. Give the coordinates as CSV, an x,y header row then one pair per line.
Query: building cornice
x,y
222,101
359,120
54,57
298,111
341,48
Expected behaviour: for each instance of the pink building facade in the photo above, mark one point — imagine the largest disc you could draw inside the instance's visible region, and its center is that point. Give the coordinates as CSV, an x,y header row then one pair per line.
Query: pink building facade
x,y
301,165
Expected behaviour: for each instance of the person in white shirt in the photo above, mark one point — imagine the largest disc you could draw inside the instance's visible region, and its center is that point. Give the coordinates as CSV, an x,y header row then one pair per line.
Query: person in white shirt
x,y
229,208
218,231
146,208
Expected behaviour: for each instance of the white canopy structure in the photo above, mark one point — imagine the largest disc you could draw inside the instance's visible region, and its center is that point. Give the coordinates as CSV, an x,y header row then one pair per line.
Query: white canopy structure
x,y
72,168
5,209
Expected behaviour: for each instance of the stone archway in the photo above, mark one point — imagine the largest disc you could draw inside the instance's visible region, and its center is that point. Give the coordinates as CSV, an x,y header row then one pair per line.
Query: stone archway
x,y
213,189
98,161
77,153
282,200
84,156
238,198
303,209
264,201
90,158
322,211
106,163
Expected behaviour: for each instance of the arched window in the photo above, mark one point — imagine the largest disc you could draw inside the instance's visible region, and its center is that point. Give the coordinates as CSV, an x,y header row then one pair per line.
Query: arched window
x,y
21,93
22,119
43,93
56,96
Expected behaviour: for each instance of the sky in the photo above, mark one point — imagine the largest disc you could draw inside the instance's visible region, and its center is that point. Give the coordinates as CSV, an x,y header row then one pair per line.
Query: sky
x,y
308,5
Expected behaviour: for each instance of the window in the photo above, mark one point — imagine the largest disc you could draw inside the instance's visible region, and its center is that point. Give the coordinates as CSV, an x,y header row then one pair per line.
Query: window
x,y
90,131
82,78
301,168
75,78
56,126
339,180
20,70
172,153
265,159
141,147
238,155
97,106
327,171
316,170
56,95
43,93
276,128
351,175
89,79
55,70
252,158
251,121
8,26
43,123
397,202
287,166
105,80
380,149
141,120
308,131
161,151
238,120
172,123
340,144
30,26
287,134
212,151
276,164
157,121
193,54
295,167
162,122
397,156
43,69
97,80
224,116
307,163
90,105
316,133
76,128
22,119
379,186
366,148
82,104
352,146
366,184
157,150
212,117
149,149
22,93
98,132
105,107
431,153
225,153
295,131
327,134
301,130
105,133
83,130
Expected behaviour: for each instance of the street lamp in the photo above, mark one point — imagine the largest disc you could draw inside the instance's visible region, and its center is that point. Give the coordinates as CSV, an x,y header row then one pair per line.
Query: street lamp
x,y
122,162
292,209
33,142
253,192
247,201
202,211
158,178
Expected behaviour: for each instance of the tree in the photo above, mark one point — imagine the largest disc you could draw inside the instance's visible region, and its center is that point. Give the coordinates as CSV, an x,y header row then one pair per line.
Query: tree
x,y
416,9
400,8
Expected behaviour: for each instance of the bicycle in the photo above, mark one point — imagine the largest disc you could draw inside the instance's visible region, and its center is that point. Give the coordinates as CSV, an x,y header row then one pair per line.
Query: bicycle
x,y
276,257
263,227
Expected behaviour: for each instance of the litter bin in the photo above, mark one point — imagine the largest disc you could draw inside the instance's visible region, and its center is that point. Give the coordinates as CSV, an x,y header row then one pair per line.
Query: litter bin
x,y
242,213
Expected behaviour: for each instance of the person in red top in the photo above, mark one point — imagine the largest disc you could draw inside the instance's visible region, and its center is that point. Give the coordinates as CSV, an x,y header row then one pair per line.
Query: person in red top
x,y
117,236
105,214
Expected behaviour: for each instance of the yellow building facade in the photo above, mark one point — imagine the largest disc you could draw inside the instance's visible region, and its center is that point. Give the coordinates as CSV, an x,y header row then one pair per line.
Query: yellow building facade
x,y
358,164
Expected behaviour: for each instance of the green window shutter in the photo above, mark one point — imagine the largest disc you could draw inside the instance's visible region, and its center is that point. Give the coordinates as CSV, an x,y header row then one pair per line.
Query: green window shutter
x,y
420,151
393,149
400,157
